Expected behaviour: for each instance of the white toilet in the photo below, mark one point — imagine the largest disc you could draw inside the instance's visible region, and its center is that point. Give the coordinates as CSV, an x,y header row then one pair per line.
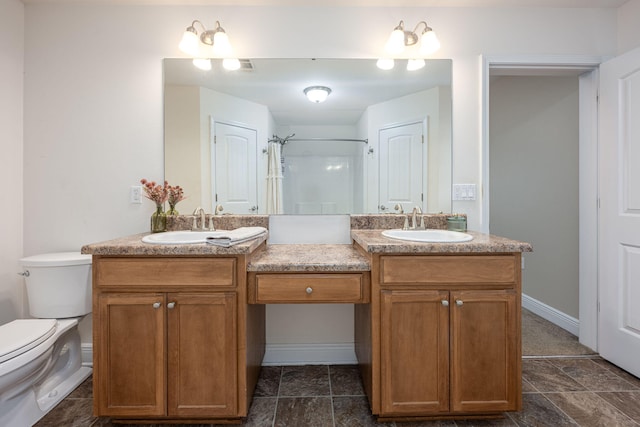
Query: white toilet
x,y
40,359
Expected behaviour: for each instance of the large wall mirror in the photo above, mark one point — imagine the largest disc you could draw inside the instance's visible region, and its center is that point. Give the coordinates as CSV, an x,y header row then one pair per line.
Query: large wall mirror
x,y
249,140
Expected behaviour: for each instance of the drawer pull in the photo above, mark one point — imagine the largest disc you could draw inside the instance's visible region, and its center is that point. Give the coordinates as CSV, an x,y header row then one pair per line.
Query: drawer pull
x,y
156,305
445,303
459,302
309,290
171,305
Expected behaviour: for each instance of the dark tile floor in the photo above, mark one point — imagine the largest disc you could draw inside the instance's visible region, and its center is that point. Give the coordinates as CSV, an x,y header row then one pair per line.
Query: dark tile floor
x,y
574,390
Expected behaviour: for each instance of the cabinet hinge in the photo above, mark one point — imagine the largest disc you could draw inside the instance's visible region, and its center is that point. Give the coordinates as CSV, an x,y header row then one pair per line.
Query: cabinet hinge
x,y
422,138
216,197
422,197
215,139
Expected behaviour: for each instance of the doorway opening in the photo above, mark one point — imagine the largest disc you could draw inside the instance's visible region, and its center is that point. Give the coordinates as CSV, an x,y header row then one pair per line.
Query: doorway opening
x,y
540,173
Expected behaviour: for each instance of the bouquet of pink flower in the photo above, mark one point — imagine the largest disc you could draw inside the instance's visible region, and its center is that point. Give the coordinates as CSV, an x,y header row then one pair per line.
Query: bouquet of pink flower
x,y
176,194
155,192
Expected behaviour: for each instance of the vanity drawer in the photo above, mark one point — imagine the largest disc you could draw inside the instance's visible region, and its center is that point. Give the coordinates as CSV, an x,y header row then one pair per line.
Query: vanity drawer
x,y
147,271
470,269
309,288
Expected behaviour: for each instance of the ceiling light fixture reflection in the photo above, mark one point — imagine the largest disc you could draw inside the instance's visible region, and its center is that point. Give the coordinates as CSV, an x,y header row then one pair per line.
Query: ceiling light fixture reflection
x,y
317,94
202,64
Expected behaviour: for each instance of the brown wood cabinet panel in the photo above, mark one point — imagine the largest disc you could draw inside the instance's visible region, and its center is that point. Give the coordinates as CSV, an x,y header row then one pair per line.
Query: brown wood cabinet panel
x,y
130,356
309,288
468,269
202,369
485,351
154,271
415,352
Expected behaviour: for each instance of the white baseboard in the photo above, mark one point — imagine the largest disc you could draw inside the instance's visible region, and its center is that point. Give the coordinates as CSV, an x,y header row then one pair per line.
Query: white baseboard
x,y
309,354
566,322
87,354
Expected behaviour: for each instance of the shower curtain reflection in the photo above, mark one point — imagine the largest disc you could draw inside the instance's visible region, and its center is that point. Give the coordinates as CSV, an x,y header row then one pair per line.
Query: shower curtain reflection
x,y
274,179
323,176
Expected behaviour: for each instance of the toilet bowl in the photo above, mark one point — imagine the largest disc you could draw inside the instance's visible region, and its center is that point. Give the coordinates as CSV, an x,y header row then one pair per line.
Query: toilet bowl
x,y
40,359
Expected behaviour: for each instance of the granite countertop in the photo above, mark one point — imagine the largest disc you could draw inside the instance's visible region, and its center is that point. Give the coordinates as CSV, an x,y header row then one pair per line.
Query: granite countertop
x,y
315,258
133,245
372,241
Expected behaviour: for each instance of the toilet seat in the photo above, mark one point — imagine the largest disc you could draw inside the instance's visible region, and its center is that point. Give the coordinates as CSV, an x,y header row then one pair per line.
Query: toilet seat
x,y
22,335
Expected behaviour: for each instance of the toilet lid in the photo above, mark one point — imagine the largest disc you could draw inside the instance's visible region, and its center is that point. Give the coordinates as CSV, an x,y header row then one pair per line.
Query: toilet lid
x,y
22,335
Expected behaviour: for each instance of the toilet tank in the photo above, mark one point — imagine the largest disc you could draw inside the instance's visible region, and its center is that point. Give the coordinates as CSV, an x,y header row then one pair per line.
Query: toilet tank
x,y
58,284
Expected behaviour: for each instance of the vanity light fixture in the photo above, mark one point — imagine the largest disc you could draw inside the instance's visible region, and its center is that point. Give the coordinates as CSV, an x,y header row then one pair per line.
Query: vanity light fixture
x,y
317,94
401,38
209,44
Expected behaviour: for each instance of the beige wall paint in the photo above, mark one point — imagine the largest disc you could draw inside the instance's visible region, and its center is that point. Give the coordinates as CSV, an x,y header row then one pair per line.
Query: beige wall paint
x,y
11,165
533,146
628,28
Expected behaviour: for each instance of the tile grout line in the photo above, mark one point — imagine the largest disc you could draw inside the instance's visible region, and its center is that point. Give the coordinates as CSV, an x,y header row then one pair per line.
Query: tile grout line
x,y
333,415
275,409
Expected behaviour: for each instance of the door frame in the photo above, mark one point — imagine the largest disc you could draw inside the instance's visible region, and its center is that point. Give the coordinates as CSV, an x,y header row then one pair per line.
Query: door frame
x,y
587,325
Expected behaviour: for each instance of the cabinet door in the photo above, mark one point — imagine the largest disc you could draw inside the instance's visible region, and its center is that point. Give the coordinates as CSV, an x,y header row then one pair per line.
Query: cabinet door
x,y
130,355
415,352
202,370
485,355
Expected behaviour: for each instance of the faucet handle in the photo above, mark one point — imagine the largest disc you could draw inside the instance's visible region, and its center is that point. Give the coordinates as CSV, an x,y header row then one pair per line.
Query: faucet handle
x,y
406,223
211,226
422,226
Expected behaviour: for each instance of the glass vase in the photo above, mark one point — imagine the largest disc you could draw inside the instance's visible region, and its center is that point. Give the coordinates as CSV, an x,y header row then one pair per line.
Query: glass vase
x,y
172,210
158,220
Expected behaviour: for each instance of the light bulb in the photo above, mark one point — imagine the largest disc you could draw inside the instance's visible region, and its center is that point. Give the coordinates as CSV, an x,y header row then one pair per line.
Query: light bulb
x,y
190,42
385,63
231,64
395,44
429,43
415,64
202,63
221,45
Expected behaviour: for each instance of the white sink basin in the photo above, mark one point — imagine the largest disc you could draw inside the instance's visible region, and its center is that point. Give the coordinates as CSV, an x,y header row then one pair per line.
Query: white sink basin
x,y
430,235
182,237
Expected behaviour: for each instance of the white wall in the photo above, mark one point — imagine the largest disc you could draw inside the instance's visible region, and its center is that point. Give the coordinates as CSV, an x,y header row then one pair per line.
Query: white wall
x,y
93,90
534,181
11,169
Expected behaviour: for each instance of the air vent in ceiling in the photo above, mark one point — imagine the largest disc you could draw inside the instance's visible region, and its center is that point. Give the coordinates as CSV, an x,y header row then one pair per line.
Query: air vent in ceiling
x,y
246,65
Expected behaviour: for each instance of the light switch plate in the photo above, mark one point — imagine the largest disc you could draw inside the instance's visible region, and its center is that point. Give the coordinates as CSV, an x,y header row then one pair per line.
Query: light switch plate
x,y
464,191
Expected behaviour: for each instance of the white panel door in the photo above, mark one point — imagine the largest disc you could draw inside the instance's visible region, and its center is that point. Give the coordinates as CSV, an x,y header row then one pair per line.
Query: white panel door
x,y
619,225
234,175
401,167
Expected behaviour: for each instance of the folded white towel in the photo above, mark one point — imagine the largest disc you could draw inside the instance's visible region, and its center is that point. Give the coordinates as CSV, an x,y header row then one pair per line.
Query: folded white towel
x,y
228,238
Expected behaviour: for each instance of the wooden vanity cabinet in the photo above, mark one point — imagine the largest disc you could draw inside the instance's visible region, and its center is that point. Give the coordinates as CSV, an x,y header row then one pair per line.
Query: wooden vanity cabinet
x,y
445,338
167,334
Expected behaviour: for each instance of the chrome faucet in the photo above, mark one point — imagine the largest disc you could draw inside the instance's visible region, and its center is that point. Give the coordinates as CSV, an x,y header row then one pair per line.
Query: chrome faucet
x,y
418,211
199,212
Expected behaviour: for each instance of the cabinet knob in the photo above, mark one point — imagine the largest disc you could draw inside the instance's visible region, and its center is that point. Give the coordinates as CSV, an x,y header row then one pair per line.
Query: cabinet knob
x,y
171,305
459,302
309,290
156,305
445,303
